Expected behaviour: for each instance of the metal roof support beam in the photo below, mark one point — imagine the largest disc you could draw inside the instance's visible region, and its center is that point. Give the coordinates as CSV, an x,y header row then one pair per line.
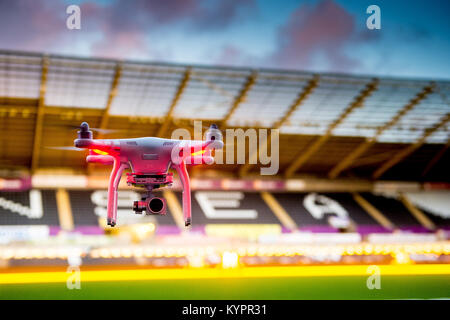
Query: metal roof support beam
x,y
111,96
175,208
187,75
64,210
39,115
416,213
373,159
312,149
305,92
279,211
241,96
351,157
435,159
410,149
373,212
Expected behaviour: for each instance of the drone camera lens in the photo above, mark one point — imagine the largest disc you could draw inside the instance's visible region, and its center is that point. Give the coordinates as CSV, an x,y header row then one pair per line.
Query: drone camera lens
x,y
156,205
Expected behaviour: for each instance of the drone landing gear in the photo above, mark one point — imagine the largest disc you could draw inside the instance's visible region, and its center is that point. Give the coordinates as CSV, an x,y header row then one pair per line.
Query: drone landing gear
x,y
149,203
111,222
185,182
114,180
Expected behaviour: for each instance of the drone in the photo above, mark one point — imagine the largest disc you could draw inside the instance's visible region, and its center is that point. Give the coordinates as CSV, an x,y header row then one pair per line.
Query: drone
x,y
149,159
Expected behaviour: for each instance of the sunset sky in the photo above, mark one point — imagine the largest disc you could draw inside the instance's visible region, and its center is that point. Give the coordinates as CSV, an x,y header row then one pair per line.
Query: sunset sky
x,y
322,35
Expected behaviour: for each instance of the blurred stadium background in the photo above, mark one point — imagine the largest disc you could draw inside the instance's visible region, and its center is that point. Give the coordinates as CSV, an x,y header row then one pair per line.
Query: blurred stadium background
x,y
363,180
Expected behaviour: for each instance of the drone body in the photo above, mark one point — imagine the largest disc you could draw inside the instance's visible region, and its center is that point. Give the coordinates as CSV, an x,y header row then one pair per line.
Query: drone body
x,y
149,159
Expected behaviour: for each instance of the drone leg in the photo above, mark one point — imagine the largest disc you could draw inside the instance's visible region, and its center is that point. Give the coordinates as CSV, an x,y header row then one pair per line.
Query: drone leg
x,y
114,180
184,177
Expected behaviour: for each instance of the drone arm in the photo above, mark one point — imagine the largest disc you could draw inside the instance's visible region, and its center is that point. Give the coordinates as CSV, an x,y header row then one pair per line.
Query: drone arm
x,y
212,144
184,177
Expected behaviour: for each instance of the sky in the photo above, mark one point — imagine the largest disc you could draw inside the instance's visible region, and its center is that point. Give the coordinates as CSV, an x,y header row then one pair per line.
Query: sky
x,y
309,35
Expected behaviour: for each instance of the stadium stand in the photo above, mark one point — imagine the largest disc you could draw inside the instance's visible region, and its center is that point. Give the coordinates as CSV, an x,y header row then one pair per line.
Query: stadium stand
x,y
392,209
236,207
294,204
15,208
92,205
362,178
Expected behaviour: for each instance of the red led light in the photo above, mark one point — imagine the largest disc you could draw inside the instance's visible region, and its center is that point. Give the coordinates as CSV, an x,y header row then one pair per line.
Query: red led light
x,y
198,153
100,152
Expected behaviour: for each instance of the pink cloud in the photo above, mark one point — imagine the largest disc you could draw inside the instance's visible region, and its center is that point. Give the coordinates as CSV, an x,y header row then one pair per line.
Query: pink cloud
x,y
123,44
222,14
315,37
121,29
324,29
229,55
31,25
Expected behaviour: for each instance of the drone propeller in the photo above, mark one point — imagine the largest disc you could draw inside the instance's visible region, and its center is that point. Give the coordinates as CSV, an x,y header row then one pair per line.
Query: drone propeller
x,y
67,148
105,131
99,130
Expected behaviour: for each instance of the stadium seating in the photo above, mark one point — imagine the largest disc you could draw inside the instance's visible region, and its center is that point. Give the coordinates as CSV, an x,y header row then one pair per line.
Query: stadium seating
x,y
15,208
223,207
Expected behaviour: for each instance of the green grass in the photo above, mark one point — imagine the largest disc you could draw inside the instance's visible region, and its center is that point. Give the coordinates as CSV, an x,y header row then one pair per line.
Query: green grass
x,y
392,287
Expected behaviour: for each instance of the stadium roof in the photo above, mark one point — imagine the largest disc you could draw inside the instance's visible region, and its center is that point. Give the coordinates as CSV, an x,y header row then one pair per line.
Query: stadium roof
x,y
330,124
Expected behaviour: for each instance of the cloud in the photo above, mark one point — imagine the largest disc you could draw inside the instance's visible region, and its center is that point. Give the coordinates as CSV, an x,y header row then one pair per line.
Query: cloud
x,y
31,25
323,30
222,14
316,37
127,25
232,55
122,28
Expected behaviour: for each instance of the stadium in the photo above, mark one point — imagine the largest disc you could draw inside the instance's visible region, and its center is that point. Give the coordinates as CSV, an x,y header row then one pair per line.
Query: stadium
x,y
362,188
